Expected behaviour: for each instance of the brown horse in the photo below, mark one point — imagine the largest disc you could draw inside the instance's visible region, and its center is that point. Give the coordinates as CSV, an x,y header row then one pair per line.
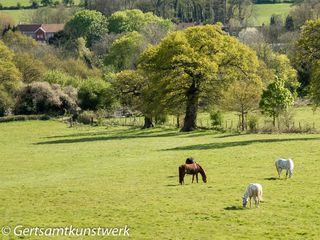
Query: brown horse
x,y
193,169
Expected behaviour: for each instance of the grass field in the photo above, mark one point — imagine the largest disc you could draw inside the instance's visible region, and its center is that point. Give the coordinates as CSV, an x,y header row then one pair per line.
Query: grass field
x,y
22,15
10,3
55,176
263,12
303,116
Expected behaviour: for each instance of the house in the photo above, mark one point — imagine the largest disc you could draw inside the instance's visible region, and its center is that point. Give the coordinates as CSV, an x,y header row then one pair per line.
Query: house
x,y
40,32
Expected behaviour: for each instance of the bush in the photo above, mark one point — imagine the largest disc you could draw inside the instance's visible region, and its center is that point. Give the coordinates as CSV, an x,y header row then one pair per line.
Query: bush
x,y
95,94
216,119
253,122
24,118
161,119
87,117
287,119
5,103
43,98
62,79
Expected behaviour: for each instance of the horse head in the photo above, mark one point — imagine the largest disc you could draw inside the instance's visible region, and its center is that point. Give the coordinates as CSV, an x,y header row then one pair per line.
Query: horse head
x,y
203,174
244,202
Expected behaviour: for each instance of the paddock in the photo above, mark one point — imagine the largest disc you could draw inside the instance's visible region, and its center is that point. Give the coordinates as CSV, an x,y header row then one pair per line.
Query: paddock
x,y
53,175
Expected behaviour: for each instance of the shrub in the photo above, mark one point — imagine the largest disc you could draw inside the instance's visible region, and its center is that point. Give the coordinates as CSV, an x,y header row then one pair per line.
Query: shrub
x,y
287,119
161,119
5,103
216,119
41,97
24,118
62,79
87,117
95,94
253,122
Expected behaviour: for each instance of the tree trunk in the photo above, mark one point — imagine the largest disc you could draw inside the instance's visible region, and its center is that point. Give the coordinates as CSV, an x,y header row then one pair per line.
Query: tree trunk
x,y
242,121
274,121
190,120
147,123
178,121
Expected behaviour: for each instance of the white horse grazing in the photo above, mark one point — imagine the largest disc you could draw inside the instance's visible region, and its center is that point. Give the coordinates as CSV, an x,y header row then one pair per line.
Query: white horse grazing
x,y
254,190
285,164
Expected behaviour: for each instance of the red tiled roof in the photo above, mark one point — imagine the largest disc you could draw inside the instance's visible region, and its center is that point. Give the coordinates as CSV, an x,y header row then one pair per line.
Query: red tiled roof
x,y
28,27
52,27
46,27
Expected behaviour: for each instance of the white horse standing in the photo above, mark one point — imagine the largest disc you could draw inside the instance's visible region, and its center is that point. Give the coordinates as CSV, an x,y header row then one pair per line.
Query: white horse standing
x,y
254,190
285,164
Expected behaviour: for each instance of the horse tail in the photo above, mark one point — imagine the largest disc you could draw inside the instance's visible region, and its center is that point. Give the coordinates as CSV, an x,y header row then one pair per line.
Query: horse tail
x,y
181,173
260,193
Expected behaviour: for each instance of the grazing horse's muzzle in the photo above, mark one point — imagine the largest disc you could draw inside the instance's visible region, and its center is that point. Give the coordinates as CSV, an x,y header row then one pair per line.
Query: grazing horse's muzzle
x,y
244,202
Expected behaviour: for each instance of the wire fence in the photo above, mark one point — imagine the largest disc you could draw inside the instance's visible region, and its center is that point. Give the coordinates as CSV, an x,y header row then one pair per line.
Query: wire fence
x,y
230,125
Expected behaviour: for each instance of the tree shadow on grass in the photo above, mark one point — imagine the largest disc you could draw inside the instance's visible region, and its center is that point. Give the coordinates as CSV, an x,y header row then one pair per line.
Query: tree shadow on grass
x,y
236,144
96,137
234,208
118,135
131,131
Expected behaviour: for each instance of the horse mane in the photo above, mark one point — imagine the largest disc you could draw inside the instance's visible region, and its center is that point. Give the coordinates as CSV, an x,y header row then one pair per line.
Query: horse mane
x,y
202,172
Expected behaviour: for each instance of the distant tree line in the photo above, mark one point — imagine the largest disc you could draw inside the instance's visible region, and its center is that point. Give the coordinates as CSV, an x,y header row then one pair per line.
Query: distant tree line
x,y
208,11
139,61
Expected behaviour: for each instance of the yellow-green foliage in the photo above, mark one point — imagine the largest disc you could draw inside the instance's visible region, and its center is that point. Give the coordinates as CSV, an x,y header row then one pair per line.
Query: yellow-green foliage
x,y
10,76
135,20
308,54
196,63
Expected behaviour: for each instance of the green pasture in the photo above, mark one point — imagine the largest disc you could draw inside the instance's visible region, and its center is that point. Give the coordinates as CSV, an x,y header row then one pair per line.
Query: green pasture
x,y
54,176
24,3
21,15
13,3
303,117
263,12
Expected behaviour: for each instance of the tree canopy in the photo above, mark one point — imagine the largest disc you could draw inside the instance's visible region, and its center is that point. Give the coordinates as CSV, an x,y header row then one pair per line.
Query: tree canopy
x,y
125,51
134,20
196,62
89,24
276,99
308,56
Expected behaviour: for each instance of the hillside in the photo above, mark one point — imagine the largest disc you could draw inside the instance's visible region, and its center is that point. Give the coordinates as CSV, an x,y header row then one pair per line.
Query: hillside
x,y
263,12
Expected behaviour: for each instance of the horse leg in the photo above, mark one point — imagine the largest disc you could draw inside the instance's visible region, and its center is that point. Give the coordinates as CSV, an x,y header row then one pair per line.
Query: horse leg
x,y
287,173
192,177
256,201
197,177
290,173
250,202
279,171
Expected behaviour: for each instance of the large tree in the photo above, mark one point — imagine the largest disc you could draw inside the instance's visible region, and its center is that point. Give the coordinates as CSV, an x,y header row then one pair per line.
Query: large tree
x,y
197,62
10,78
276,99
135,92
243,96
135,20
125,51
308,56
89,24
